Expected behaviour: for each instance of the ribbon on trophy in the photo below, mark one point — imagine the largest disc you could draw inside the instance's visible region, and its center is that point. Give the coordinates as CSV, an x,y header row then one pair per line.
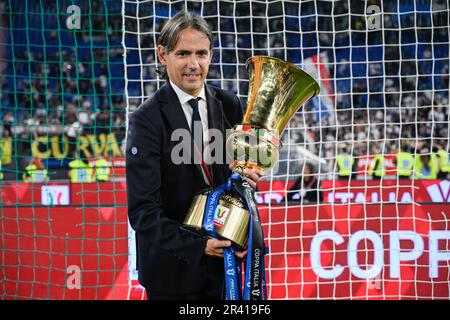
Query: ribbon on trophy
x,y
254,288
254,281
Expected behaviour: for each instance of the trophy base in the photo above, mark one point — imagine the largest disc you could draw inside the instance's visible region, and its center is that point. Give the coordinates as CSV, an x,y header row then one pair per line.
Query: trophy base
x,y
231,220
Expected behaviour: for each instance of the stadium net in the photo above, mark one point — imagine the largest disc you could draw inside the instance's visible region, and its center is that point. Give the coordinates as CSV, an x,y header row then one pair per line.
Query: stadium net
x,y
63,227
353,226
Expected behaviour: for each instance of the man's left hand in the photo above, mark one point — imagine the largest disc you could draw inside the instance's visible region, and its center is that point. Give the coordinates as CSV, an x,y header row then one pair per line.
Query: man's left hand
x,y
252,176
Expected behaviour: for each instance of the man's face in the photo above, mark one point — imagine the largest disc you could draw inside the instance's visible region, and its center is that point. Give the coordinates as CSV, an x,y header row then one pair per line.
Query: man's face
x,y
188,63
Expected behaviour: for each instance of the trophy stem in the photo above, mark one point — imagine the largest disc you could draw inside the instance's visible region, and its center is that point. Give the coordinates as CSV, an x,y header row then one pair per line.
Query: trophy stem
x,y
239,166
238,169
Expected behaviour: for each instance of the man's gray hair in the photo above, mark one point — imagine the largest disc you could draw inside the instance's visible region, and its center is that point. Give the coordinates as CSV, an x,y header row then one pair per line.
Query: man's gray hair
x,y
170,33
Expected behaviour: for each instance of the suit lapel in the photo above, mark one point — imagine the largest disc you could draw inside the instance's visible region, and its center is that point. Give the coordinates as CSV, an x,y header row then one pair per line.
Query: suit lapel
x,y
215,114
173,112
171,108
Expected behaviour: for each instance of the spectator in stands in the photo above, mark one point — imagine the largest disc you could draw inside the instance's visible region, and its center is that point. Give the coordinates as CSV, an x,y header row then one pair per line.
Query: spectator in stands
x,y
8,120
444,160
80,171
1,152
404,162
102,168
426,165
419,73
376,169
73,129
306,188
346,163
35,172
174,263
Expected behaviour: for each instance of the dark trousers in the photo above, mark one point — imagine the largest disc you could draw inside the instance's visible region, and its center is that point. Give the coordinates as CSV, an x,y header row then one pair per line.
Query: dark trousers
x,y
214,288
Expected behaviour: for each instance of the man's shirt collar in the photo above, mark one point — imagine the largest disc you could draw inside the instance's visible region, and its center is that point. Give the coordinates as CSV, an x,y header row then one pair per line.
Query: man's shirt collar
x,y
184,97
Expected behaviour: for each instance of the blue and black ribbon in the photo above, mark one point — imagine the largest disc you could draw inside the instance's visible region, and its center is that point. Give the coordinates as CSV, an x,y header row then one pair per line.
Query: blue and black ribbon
x,y
254,281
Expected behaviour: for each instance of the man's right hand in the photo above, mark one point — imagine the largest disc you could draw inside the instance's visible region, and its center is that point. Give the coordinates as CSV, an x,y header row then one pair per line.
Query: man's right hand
x,y
214,247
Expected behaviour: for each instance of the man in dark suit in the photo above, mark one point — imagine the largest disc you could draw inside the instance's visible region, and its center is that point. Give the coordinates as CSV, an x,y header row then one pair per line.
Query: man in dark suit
x,y
174,263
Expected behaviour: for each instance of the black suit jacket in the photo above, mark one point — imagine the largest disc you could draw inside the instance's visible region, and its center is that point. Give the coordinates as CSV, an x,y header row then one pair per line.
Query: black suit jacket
x,y
170,259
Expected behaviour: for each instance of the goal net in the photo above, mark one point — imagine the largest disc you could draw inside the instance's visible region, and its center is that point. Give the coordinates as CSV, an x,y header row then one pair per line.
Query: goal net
x,y
361,220
63,227
346,215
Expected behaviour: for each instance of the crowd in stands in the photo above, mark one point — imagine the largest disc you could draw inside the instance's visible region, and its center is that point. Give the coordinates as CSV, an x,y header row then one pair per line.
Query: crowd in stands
x,y
59,81
48,87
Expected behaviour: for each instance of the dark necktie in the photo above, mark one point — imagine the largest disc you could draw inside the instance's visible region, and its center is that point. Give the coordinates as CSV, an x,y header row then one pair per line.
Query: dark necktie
x,y
197,136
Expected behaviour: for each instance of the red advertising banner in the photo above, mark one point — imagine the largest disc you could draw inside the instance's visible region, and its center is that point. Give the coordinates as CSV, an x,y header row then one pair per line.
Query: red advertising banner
x,y
358,251
55,194
334,191
329,251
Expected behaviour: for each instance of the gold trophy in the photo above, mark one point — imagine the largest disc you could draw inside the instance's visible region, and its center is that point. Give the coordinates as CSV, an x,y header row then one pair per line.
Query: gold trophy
x,y
277,90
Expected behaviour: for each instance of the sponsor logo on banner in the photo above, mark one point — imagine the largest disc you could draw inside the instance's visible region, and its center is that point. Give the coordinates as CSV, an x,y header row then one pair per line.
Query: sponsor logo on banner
x,y
397,254
220,215
439,192
55,195
371,191
369,197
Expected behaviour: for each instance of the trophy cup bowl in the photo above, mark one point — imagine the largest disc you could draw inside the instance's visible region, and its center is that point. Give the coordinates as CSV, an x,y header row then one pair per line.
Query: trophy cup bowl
x,y
276,92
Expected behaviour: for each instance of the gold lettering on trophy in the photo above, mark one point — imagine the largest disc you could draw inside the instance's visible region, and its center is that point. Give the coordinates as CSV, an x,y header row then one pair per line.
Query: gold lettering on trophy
x,y
232,200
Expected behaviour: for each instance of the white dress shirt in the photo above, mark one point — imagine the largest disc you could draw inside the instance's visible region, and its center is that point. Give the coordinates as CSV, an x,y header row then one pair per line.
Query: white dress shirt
x,y
184,97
